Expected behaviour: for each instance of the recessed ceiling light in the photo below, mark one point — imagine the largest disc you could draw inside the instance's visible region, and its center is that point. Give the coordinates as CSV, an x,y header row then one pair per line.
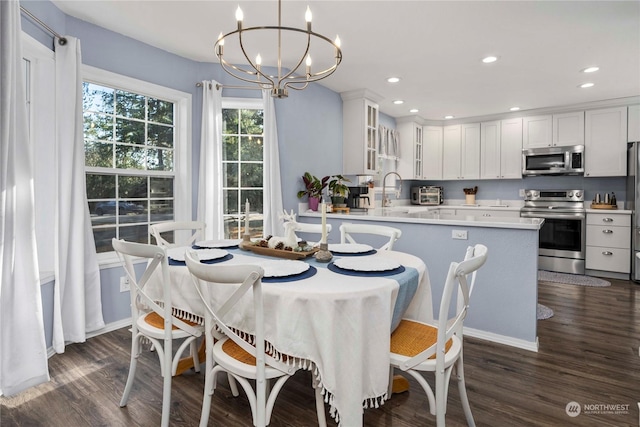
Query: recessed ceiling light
x,y
393,79
398,102
514,108
489,59
414,110
591,70
586,85
448,117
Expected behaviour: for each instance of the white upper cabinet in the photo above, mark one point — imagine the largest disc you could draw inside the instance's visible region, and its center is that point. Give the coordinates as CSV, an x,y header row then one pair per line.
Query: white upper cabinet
x,y
553,130
432,152
470,161
537,131
461,152
451,149
633,132
490,150
511,149
606,142
501,149
568,128
359,132
410,165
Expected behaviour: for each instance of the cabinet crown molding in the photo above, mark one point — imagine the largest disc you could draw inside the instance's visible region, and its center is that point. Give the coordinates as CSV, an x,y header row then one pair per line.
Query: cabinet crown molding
x,y
361,93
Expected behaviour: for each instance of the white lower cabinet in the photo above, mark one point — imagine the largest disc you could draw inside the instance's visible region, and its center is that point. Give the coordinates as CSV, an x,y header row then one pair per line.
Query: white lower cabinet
x,y
608,242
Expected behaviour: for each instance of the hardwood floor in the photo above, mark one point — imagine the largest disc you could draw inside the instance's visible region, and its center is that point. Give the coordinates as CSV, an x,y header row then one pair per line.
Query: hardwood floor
x,y
588,354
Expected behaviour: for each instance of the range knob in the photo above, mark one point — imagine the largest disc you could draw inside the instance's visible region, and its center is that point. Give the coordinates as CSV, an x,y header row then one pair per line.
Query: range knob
x,y
570,194
578,194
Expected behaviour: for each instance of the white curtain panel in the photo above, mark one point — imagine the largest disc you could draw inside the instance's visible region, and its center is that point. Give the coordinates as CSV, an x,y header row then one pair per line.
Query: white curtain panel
x,y
273,206
210,202
23,353
77,303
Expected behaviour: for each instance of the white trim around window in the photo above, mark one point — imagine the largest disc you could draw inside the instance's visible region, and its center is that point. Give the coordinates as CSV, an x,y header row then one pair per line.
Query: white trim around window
x,y
182,144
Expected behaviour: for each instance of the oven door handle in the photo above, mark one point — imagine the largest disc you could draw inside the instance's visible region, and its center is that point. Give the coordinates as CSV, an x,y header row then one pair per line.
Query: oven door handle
x,y
552,216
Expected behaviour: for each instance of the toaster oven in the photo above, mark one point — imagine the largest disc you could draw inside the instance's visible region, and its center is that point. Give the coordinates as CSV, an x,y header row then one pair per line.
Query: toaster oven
x,y
426,195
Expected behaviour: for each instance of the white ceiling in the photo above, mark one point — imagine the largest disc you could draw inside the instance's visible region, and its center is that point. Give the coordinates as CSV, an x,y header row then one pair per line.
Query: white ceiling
x,y
435,47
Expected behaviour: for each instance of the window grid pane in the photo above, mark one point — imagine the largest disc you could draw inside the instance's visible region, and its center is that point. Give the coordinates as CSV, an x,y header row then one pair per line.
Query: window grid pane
x,y
243,158
126,132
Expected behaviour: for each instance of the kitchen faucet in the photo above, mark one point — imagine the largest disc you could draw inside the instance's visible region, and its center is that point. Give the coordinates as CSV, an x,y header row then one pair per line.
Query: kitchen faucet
x,y
385,202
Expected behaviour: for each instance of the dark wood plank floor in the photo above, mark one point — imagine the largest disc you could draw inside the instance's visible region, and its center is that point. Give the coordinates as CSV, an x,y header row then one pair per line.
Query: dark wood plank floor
x,y
588,354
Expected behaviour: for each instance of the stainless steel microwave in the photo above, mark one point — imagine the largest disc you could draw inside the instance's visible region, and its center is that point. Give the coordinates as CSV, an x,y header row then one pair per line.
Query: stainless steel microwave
x,y
426,195
567,160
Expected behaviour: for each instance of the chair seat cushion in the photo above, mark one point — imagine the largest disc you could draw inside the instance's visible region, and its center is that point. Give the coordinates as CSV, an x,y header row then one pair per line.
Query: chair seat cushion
x,y
157,321
411,338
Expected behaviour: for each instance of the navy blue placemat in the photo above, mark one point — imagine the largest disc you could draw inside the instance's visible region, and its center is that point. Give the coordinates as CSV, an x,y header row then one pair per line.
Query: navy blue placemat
x,y
371,252
339,270
217,247
300,276
227,257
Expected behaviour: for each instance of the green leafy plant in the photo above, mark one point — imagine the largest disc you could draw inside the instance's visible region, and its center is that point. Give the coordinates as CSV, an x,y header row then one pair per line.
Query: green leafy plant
x,y
313,185
338,187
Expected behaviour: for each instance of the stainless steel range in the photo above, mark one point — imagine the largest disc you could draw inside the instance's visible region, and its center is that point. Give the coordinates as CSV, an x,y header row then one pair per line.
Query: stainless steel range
x,y
563,234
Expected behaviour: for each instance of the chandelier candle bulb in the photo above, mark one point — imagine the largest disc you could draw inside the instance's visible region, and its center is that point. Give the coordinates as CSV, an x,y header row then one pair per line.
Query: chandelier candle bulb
x,y
307,17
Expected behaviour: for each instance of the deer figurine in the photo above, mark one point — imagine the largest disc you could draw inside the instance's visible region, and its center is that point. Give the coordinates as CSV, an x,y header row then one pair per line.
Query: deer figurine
x,y
290,239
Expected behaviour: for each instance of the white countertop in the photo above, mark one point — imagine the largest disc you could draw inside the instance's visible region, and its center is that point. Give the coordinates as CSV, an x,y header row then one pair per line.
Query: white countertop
x,y
430,215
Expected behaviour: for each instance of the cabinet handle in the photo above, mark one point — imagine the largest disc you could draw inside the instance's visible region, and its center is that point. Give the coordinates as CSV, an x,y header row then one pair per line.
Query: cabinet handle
x,y
607,231
607,219
607,253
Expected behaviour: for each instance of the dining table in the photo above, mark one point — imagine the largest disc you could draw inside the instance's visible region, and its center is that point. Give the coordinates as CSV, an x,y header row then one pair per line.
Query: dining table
x,y
331,320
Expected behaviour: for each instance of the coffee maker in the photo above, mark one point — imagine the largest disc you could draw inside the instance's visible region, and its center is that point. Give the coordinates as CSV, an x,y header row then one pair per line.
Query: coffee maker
x,y
358,198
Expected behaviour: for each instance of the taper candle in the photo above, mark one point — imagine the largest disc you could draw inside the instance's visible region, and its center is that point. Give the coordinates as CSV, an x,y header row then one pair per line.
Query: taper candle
x,y
246,218
324,223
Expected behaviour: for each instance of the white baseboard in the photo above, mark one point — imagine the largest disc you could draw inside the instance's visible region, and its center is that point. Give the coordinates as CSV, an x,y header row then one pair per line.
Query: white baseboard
x,y
502,339
107,328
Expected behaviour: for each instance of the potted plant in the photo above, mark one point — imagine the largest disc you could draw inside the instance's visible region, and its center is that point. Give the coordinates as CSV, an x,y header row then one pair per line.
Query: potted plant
x,y
339,190
313,187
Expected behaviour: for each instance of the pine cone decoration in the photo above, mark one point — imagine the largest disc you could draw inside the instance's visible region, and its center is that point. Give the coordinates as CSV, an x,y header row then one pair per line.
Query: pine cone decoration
x,y
288,248
279,245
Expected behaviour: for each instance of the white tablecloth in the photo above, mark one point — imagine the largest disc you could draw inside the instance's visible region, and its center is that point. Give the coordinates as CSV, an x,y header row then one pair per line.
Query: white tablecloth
x,y
338,322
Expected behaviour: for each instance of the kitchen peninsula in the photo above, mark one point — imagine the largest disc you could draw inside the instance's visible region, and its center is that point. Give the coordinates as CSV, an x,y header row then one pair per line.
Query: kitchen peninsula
x,y
504,301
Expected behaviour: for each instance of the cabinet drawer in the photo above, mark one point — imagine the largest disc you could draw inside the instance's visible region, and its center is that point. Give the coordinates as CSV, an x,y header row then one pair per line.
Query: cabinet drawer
x,y
608,259
607,235
609,219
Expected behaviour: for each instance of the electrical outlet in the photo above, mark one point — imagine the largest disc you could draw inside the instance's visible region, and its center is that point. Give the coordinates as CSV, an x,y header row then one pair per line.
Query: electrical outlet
x,y
125,286
459,234
521,192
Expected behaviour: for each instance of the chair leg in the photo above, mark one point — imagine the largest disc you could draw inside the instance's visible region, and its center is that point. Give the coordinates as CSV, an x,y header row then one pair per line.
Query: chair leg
x,y
441,399
322,418
463,393
135,351
233,385
166,383
209,388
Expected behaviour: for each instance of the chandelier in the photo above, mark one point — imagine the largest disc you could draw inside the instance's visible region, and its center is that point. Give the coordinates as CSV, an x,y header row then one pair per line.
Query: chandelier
x,y
292,76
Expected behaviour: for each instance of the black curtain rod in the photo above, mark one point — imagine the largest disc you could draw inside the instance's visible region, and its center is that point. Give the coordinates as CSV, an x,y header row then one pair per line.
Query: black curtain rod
x,y
61,40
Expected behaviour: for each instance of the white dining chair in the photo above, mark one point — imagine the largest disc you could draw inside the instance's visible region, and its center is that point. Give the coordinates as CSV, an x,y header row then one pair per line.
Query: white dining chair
x,y
153,320
423,347
177,233
308,228
348,229
227,351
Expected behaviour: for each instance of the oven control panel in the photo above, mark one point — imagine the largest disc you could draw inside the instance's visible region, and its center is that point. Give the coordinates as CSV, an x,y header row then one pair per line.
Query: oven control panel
x,y
554,195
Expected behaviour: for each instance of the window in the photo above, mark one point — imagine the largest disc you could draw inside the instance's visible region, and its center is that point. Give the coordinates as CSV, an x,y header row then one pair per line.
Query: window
x,y
242,158
135,157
